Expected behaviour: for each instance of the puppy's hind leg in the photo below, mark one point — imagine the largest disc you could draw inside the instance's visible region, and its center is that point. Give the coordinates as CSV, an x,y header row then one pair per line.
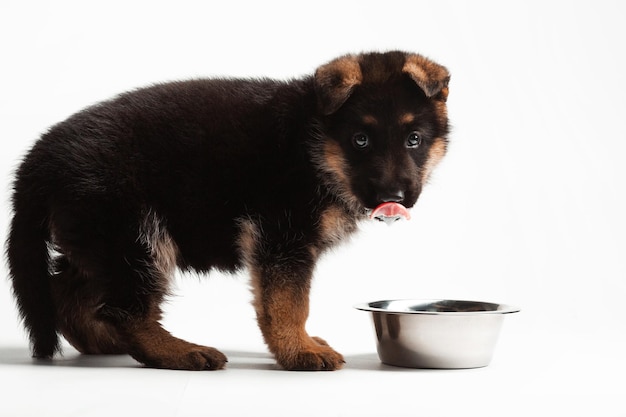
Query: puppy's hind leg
x,y
78,297
109,295
141,278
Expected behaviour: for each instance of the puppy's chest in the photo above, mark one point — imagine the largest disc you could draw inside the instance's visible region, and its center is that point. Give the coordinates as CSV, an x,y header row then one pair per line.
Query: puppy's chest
x,y
335,226
329,227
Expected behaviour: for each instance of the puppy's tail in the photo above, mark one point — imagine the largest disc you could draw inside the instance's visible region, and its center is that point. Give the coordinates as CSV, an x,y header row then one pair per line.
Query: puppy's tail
x,y
29,266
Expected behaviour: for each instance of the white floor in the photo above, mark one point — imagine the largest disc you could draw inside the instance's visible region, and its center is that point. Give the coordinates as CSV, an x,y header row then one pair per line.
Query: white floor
x,y
530,375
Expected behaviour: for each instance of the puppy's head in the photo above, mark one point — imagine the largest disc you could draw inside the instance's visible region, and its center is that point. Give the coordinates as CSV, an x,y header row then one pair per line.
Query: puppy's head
x,y
383,124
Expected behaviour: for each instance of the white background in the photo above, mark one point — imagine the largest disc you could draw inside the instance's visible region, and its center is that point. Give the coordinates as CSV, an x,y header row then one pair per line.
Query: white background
x,y
526,209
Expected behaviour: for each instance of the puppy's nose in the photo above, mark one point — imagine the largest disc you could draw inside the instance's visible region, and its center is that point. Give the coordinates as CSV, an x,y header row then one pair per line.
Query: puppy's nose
x,y
391,196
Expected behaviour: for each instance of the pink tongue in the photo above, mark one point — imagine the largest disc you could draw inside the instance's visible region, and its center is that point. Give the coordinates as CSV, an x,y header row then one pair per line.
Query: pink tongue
x,y
390,211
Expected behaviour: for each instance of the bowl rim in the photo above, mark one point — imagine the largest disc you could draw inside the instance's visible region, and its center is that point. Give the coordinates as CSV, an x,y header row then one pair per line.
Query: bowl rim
x,y
500,309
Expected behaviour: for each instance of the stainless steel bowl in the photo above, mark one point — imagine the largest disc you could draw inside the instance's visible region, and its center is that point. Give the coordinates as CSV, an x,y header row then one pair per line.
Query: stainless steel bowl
x,y
442,334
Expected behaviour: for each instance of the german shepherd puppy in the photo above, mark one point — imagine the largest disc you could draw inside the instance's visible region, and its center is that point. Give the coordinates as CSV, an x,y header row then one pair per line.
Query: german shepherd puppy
x,y
216,173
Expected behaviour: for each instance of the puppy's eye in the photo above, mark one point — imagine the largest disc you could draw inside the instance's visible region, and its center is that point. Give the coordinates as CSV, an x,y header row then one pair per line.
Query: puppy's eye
x,y
360,141
413,140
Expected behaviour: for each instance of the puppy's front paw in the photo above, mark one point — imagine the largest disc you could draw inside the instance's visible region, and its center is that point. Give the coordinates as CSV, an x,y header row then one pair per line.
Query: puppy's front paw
x,y
315,355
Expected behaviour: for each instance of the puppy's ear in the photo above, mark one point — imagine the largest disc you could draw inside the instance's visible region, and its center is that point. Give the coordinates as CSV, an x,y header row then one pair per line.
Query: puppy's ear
x,y
335,81
431,77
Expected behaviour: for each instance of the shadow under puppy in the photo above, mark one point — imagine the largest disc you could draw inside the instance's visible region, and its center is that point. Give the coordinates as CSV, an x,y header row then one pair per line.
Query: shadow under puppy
x,y
216,173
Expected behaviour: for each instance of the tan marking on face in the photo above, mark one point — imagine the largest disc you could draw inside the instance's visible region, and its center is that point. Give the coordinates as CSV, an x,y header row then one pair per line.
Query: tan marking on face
x,y
444,94
407,119
368,119
335,162
442,112
435,154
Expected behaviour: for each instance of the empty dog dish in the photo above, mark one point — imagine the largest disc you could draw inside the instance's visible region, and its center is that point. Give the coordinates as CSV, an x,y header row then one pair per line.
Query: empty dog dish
x,y
442,334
